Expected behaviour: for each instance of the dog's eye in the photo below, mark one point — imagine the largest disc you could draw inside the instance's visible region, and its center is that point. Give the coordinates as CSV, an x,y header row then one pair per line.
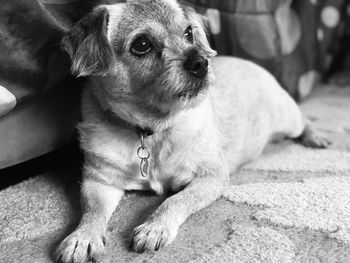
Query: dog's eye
x,y
141,46
189,34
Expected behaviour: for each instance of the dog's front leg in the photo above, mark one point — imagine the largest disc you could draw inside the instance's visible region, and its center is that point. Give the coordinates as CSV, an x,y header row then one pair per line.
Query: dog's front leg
x,y
161,227
87,242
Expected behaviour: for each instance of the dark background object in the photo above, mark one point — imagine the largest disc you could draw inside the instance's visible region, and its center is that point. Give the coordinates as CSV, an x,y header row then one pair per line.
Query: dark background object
x,y
298,41
34,73
69,155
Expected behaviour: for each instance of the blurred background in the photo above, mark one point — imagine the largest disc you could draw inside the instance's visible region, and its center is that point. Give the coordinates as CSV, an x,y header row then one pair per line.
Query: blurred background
x,y
301,42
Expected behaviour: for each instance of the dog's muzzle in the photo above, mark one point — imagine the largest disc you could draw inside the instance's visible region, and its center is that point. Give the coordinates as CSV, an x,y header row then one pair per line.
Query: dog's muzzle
x,y
196,65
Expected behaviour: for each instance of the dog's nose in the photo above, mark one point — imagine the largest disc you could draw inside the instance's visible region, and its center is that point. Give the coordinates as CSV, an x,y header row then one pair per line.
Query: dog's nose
x,y
195,64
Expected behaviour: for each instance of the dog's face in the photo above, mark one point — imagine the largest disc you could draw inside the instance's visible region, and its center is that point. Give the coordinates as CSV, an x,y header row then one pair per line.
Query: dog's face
x,y
153,53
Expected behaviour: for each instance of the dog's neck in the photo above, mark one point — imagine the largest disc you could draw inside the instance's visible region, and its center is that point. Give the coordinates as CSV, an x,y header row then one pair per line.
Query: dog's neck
x,y
125,112
141,131
126,117
141,124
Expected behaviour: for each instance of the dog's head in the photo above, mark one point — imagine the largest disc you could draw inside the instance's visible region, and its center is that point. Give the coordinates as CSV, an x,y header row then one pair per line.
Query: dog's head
x,y
154,53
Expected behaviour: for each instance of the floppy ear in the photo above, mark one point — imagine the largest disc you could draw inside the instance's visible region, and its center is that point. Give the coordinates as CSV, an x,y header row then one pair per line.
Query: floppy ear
x,y
202,36
87,44
202,23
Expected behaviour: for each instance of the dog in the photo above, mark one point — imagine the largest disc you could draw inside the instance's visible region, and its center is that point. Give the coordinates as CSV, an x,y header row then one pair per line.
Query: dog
x,y
161,113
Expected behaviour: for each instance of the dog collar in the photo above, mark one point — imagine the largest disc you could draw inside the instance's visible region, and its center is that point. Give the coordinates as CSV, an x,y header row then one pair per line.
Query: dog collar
x,y
143,152
145,131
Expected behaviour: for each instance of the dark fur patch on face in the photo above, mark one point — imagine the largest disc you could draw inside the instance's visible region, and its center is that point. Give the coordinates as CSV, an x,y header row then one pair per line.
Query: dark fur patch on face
x,y
88,46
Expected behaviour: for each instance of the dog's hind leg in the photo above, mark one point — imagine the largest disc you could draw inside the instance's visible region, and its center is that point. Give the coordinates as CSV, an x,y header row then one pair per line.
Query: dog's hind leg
x,y
313,138
299,128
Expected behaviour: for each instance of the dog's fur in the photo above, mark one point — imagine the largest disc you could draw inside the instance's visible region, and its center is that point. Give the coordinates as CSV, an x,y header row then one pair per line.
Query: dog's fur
x,y
204,129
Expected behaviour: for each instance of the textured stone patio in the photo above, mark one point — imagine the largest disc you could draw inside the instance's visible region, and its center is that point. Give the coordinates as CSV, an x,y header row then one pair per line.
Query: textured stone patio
x,y
291,205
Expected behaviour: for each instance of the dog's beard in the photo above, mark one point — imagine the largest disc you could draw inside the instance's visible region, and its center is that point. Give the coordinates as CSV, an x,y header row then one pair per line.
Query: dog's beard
x,y
177,84
192,89
182,91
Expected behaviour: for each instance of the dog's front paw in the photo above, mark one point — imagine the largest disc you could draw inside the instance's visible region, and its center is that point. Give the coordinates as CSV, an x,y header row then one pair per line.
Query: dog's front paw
x,y
152,235
80,246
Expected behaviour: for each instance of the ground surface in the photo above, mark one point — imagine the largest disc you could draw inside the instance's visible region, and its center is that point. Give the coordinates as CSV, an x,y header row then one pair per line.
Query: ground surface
x,y
291,205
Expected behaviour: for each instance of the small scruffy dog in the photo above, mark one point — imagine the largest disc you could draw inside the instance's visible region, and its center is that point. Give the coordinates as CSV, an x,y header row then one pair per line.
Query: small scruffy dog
x,y
155,119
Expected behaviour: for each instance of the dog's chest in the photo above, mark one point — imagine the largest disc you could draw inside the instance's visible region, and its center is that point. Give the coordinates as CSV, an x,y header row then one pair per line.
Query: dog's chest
x,y
168,167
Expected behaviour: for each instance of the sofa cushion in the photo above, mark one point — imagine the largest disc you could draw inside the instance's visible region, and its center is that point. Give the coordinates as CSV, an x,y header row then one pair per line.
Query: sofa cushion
x,y
31,60
67,12
7,101
41,125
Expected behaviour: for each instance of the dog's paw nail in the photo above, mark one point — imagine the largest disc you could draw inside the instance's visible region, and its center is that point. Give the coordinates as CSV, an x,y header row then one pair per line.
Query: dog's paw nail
x,y
104,241
80,247
152,236
157,246
59,259
141,249
131,246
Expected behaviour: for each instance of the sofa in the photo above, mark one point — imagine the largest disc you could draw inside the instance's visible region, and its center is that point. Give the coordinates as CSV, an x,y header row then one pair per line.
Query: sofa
x,y
39,100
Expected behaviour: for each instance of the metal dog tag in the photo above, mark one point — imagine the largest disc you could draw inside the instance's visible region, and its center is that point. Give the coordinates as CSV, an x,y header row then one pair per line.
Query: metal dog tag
x,y
143,153
144,167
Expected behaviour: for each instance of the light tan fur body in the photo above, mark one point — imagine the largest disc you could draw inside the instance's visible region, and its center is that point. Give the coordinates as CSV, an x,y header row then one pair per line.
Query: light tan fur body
x,y
146,69
215,127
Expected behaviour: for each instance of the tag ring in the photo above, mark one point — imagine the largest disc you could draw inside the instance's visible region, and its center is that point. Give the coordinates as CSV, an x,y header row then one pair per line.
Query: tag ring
x,y
143,153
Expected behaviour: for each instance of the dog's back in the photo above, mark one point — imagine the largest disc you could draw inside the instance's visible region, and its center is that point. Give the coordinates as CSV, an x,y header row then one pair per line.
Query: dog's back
x,y
252,108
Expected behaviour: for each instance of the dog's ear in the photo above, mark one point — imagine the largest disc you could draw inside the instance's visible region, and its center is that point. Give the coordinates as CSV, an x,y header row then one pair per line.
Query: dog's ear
x,y
201,23
202,36
87,44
